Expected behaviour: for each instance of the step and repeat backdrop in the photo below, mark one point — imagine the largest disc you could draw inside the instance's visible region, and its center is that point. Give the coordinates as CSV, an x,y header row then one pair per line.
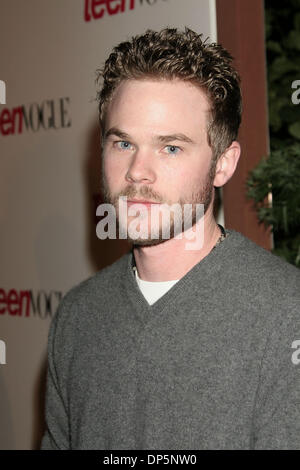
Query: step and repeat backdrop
x,y
50,173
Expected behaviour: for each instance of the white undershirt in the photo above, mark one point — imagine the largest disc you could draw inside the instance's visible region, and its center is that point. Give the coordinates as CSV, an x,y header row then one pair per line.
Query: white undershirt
x,y
152,291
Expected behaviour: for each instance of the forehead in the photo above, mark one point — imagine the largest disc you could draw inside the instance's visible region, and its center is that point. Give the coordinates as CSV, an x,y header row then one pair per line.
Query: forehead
x,y
157,105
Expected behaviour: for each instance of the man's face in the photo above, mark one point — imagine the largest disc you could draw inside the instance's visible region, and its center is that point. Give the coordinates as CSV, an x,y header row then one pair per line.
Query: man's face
x,y
156,150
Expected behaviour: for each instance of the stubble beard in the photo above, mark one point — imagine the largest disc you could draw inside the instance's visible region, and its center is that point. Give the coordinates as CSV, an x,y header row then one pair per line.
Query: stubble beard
x,y
203,196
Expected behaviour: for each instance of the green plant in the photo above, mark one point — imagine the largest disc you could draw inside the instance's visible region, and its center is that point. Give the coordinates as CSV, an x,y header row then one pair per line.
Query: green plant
x,y
279,174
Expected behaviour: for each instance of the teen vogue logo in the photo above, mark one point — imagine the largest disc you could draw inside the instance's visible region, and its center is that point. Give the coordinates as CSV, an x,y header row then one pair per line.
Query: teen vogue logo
x,y
50,114
96,9
26,303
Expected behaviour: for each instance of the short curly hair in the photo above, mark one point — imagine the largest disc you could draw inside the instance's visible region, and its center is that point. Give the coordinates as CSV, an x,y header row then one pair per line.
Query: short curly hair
x,y
173,54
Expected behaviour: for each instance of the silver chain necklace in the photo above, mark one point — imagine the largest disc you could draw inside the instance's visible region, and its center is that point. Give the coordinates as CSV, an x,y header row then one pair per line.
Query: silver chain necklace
x,y
222,237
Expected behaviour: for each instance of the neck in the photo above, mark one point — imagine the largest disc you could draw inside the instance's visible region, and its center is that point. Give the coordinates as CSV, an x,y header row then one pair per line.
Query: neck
x,y
171,259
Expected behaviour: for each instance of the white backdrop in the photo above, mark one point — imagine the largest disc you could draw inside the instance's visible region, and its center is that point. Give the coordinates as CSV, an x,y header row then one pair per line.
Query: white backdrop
x,y
49,173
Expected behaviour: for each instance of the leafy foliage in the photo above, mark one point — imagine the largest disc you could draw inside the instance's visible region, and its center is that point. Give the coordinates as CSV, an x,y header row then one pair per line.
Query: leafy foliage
x,y
280,172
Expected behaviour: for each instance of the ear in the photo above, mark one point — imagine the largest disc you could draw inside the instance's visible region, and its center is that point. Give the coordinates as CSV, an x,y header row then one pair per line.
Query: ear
x,y
227,163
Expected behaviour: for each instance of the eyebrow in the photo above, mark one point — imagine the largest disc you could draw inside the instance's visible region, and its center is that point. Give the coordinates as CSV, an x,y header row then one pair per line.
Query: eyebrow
x,y
161,138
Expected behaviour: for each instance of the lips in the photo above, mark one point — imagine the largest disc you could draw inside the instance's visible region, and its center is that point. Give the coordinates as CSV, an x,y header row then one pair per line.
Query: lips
x,y
137,201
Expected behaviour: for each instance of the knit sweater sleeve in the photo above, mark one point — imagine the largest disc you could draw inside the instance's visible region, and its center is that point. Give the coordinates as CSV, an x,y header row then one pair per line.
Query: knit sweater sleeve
x,y
56,435
277,413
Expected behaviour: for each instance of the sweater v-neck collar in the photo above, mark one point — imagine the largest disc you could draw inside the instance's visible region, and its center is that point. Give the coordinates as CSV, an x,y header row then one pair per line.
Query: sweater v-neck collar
x,y
205,271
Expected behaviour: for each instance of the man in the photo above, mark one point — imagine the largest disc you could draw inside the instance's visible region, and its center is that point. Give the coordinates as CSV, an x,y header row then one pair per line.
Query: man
x,y
173,347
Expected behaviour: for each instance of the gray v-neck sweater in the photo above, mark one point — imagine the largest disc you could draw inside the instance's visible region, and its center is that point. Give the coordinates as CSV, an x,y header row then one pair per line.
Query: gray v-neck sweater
x,y
213,364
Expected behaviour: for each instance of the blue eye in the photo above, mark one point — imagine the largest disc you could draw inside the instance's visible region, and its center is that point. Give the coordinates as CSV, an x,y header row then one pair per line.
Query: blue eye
x,y
173,149
123,145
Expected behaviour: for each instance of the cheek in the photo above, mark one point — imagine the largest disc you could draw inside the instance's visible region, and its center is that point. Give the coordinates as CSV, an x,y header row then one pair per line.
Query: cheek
x,y
183,178
113,169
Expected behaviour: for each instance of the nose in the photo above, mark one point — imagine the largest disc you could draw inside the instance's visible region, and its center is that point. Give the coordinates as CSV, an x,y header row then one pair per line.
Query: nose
x,y
141,168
